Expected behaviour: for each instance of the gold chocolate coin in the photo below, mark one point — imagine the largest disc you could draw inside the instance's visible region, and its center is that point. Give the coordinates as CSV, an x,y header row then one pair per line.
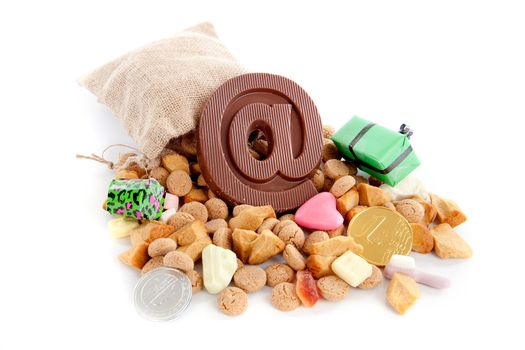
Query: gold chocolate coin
x,y
382,233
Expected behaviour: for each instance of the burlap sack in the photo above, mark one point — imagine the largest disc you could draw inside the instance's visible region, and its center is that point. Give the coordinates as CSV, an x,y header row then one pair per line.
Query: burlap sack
x,y
158,91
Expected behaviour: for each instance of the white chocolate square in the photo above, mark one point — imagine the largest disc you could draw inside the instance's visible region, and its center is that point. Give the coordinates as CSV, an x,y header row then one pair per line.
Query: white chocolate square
x,y
218,267
352,268
402,262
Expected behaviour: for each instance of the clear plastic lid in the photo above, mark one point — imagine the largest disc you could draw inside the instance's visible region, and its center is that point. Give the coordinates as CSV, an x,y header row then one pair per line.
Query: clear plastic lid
x,y
162,294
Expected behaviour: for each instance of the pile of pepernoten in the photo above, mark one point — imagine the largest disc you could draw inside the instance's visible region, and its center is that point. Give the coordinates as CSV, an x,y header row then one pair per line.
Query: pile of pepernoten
x,y
365,216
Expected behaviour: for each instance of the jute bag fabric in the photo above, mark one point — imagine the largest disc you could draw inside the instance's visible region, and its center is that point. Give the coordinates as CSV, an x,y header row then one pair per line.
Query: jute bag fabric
x,y
158,91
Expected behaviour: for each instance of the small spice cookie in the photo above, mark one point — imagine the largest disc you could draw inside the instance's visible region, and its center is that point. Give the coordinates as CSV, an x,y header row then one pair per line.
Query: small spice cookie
x,y
153,263
336,232
292,234
213,225
161,247
277,273
250,278
196,281
141,172
342,185
178,260
411,209
374,280
328,131
179,219
179,183
284,297
196,209
232,301
126,174
335,169
333,288
175,161
279,226
240,264
287,217
330,150
160,174
217,208
268,224
294,258
314,237
317,177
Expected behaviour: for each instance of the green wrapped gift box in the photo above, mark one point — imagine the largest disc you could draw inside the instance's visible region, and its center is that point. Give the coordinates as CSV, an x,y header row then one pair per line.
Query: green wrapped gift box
x,y
378,151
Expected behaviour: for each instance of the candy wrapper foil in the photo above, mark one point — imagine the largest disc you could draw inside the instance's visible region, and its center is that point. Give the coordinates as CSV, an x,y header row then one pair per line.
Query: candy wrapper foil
x,y
378,151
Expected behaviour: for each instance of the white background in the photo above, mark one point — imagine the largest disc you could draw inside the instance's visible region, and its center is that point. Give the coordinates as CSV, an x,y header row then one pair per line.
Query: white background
x,y
453,70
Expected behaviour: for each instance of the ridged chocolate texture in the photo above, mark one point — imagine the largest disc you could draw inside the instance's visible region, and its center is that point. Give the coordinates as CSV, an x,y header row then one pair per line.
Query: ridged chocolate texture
x,y
292,125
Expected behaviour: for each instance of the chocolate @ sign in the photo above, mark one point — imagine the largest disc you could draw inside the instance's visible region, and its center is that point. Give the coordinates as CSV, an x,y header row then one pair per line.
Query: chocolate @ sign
x,y
288,117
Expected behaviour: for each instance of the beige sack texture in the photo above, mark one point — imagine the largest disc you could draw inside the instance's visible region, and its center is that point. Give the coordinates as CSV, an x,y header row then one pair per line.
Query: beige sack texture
x,y
158,91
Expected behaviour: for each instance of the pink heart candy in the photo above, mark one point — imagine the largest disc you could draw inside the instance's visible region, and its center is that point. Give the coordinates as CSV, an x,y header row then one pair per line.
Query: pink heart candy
x,y
319,213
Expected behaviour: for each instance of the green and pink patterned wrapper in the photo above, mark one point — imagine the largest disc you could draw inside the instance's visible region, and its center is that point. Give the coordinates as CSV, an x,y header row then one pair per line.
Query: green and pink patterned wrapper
x,y
142,199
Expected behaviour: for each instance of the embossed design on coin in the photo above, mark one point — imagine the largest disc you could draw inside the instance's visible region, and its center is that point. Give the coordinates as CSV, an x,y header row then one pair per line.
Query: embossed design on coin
x,y
162,294
382,232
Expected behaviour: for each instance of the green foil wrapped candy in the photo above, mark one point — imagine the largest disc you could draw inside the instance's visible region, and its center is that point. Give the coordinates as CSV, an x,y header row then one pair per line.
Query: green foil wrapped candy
x,y
378,151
